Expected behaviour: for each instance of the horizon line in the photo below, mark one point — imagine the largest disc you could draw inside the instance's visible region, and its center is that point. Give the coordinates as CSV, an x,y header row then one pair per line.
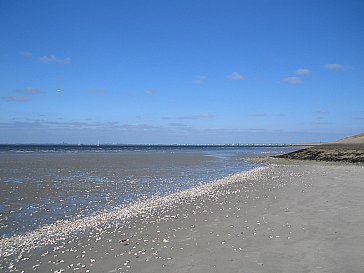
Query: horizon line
x,y
144,144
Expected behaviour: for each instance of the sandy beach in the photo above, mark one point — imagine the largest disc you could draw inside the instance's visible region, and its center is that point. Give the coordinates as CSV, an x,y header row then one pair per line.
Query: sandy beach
x,y
182,136
296,217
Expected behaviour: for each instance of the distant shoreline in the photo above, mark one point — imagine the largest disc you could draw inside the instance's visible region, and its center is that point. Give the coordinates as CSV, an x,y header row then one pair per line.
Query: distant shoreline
x,y
154,145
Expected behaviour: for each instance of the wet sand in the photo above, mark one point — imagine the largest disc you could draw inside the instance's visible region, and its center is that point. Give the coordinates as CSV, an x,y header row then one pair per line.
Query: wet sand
x,y
38,189
281,218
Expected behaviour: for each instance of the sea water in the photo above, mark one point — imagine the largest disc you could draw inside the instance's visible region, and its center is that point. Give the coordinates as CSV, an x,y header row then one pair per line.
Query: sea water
x,y
41,184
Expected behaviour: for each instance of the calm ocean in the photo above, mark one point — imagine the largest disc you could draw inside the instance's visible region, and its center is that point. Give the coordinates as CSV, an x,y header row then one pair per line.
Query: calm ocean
x,y
40,184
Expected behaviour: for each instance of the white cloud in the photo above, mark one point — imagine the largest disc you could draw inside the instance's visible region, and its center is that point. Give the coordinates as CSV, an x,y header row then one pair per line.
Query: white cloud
x,y
235,76
200,80
53,59
28,91
16,98
292,80
26,54
333,66
303,71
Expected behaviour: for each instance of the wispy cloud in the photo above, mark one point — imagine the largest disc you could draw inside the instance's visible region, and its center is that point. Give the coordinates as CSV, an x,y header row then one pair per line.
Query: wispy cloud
x,y
235,76
303,71
53,59
149,92
318,123
258,115
28,91
333,66
322,112
200,80
85,125
38,123
71,131
359,117
16,98
138,127
176,124
46,59
292,80
26,54
97,91
196,117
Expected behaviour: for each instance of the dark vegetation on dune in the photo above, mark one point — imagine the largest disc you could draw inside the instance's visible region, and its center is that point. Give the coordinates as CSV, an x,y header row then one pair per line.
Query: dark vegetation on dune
x,y
353,153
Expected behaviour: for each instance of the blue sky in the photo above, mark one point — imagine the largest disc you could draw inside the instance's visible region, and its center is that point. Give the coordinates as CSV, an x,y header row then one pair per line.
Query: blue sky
x,y
137,71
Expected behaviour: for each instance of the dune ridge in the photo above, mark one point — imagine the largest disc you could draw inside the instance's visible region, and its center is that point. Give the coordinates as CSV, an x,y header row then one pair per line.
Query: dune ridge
x,y
349,149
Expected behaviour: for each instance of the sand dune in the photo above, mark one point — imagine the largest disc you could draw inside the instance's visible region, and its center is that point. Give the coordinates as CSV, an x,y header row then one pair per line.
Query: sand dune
x,y
356,139
350,149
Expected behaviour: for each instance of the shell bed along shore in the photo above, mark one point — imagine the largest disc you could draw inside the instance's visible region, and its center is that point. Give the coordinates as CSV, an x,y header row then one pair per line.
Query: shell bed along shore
x,y
149,229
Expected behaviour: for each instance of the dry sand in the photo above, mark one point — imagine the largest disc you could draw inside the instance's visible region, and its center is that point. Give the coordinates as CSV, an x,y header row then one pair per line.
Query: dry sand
x,y
297,217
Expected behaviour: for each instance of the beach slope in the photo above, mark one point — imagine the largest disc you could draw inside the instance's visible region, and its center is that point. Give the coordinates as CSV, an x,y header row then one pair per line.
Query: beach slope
x,y
279,218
